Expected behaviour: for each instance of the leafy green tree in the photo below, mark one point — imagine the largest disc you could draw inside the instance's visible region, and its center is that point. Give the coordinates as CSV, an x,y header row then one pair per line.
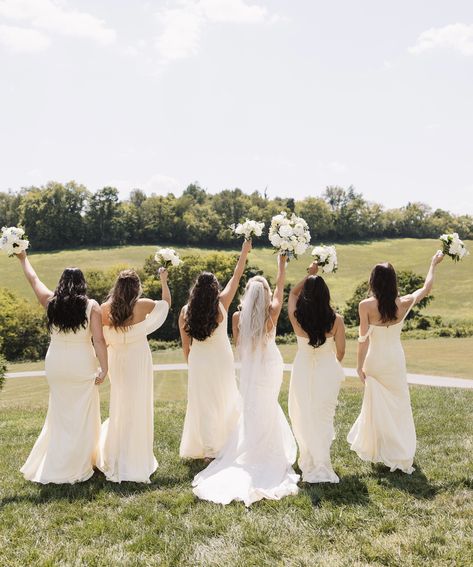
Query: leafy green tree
x,y
53,216
408,282
318,216
9,209
104,224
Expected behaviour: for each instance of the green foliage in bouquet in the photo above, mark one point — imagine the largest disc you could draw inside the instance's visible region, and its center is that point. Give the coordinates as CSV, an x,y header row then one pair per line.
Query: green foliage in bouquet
x,y
408,282
22,328
181,279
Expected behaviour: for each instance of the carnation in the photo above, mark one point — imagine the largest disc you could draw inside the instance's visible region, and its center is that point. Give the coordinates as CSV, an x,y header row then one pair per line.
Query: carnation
x,y
167,257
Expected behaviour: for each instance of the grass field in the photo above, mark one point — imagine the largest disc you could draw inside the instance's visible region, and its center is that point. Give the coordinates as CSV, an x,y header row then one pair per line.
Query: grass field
x,y
372,517
453,290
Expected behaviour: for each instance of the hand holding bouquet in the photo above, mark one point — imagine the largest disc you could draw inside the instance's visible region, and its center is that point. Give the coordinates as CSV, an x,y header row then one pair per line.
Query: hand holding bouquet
x,y
326,258
167,257
452,246
12,241
248,229
289,235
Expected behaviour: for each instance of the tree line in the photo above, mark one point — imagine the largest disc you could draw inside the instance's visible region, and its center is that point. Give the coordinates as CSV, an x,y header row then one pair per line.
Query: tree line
x,y
58,216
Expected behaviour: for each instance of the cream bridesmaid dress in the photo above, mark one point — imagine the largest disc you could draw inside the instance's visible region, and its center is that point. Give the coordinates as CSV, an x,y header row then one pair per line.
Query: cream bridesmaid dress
x,y
313,394
257,460
213,400
126,440
65,451
384,432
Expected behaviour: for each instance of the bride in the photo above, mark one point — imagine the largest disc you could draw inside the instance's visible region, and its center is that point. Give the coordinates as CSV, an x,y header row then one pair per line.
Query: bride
x,y
256,462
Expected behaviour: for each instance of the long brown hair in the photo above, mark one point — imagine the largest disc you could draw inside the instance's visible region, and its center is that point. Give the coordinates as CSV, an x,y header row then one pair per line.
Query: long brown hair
x,y
123,297
313,311
201,318
383,286
67,309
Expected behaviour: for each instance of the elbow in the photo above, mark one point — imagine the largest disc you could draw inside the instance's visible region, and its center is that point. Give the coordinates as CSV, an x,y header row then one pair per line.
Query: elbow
x,y
340,355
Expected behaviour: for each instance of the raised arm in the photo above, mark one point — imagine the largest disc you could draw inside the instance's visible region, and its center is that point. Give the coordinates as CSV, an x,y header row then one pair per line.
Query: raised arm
x,y
166,293
43,293
227,295
363,340
185,339
278,295
425,290
98,339
296,290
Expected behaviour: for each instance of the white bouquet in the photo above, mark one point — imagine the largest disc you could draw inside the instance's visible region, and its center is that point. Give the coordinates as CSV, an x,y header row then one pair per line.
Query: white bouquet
x,y
326,258
289,234
452,246
12,241
248,229
167,257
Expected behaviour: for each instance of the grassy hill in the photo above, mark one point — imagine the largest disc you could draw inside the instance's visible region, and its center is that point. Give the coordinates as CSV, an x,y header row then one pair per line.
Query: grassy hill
x,y
453,290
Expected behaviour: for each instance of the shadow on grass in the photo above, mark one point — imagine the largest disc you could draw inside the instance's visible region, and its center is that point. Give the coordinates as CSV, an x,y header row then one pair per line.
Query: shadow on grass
x,y
416,484
350,490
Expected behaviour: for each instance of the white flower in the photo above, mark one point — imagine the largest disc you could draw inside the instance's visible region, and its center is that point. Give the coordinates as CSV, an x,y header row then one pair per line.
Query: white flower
x,y
167,257
326,258
12,241
248,229
300,248
275,240
289,234
286,231
453,246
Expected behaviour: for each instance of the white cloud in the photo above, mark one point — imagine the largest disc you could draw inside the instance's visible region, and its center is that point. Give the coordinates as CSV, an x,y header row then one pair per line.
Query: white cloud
x,y
55,17
182,24
458,37
23,40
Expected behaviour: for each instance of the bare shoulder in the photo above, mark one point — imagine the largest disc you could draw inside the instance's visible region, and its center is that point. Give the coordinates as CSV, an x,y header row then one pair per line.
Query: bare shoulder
x,y
145,304
95,306
236,316
339,319
367,303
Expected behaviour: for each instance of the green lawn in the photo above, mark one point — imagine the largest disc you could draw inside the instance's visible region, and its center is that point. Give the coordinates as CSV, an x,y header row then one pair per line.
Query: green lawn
x,y
453,290
372,517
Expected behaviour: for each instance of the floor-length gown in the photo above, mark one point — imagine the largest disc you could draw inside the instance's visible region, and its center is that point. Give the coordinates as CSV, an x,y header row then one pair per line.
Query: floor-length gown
x,y
65,450
126,440
384,432
313,393
257,460
213,401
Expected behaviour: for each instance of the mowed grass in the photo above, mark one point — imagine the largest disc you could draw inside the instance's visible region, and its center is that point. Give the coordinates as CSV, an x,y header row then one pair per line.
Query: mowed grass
x,y
372,517
453,289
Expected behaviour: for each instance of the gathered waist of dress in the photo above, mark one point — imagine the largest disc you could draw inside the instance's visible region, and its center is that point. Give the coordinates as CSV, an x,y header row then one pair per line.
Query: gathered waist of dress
x,y
70,338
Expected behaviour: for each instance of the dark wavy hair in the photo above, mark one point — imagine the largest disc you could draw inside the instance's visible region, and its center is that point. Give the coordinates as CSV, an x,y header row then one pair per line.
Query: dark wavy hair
x,y
383,286
67,309
313,310
201,317
123,297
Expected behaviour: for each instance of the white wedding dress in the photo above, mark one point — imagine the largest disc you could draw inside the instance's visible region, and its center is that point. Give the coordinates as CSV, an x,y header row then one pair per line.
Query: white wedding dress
x,y
313,393
257,460
384,432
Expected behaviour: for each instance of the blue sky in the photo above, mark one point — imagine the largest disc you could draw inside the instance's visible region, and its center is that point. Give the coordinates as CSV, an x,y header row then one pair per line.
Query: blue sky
x,y
289,95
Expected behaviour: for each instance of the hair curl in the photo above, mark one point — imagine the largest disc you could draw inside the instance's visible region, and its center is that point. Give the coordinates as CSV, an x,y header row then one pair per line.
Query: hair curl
x,y
201,318
383,286
67,309
123,297
313,311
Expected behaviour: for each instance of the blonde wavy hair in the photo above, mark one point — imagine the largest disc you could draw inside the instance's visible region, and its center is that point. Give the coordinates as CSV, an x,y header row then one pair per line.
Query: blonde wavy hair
x,y
254,313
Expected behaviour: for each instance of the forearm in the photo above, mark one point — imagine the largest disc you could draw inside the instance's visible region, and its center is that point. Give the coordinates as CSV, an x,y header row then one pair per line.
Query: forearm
x,y
101,351
166,293
29,271
296,290
361,354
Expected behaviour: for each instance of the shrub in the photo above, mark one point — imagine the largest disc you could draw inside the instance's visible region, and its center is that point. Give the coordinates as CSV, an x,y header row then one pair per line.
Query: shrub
x,y
100,282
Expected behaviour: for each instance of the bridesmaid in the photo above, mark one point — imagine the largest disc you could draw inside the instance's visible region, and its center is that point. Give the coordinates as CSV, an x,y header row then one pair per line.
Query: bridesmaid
x,y
316,375
384,432
212,394
126,440
65,450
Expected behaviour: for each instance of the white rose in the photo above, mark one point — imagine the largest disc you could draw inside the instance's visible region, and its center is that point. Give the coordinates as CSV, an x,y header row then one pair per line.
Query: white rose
x,y
300,248
285,231
284,245
275,240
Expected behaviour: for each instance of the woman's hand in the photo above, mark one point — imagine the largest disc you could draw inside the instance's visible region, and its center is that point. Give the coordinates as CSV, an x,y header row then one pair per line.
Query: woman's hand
x,y
246,246
437,258
100,376
21,256
313,269
163,275
361,375
282,261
